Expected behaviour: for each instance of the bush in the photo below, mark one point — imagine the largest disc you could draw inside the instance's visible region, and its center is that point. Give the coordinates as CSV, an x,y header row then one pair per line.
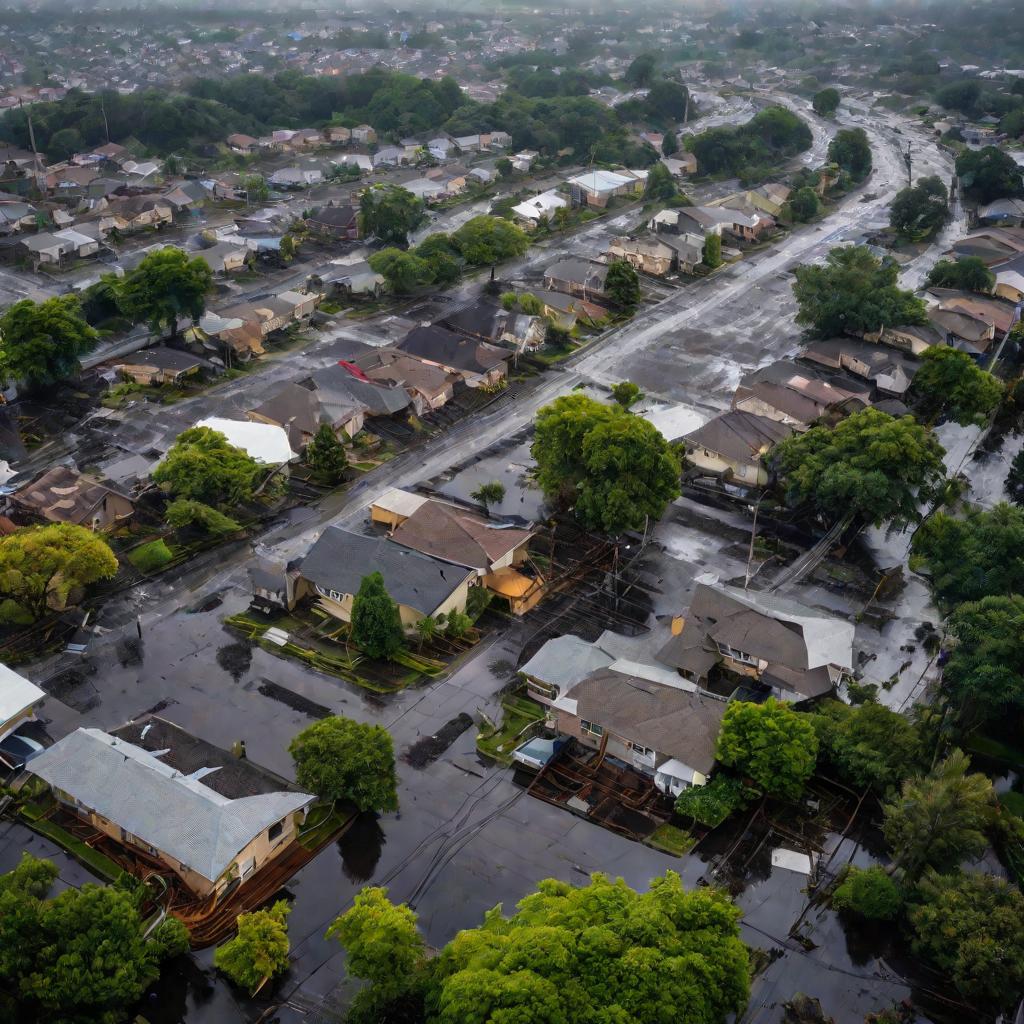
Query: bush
x,y
869,892
151,557
711,804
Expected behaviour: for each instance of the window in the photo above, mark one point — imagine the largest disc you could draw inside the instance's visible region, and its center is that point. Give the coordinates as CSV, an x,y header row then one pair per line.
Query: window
x,y
640,749
732,652
589,727
276,829
544,689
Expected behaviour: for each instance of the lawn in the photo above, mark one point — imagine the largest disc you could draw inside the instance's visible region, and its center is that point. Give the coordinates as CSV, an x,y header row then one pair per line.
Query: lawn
x,y
672,840
323,821
92,859
520,714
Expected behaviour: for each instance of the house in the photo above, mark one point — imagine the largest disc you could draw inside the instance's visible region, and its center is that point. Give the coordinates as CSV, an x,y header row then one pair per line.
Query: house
x,y
388,156
349,279
160,365
577,277
689,220
346,385
276,311
1001,315
734,445
236,336
498,140
889,370
560,664
1010,285
211,818
63,495
962,330
138,212
662,727
564,310
530,211
426,386
300,411
598,188
16,215
425,189
795,652
46,249
242,143
226,256
524,161
476,363
338,222
912,338
419,584
336,133
112,152
295,177
266,443
365,134
492,323
19,700
649,255
187,196
1003,212
770,198
680,164
783,392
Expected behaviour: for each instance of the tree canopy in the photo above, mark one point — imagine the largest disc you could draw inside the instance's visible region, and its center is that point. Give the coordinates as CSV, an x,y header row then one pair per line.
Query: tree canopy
x,y
260,948
968,273
950,381
485,240
616,468
971,927
390,213
826,102
376,623
870,464
182,513
660,186
403,271
989,174
771,743
340,759
869,892
325,455
853,293
80,956
920,211
622,285
165,286
41,343
753,149
973,556
868,745
42,566
851,150
202,466
940,818
804,204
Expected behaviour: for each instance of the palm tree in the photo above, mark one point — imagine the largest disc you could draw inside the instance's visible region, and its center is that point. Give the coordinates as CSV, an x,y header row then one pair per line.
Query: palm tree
x,y
489,494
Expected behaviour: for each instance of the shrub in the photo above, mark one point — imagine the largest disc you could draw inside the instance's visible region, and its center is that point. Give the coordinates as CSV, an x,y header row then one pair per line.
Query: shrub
x,y
712,804
151,557
869,892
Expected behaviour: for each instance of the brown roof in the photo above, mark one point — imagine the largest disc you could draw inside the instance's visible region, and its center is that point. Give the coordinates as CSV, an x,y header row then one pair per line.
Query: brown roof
x,y
674,722
62,495
447,532
393,367
737,435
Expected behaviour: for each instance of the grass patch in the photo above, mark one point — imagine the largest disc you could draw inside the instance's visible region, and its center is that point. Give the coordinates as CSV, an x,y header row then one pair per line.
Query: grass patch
x,y
520,714
151,557
323,821
92,859
671,840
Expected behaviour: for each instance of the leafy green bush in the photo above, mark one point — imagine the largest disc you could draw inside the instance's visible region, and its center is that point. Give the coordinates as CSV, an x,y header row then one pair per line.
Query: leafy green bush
x,y
183,512
869,892
712,804
151,557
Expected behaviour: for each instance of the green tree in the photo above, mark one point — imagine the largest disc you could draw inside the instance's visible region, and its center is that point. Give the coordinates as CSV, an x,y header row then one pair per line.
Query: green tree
x,y
868,892
404,272
444,264
41,342
340,759
989,174
390,213
826,102
64,144
870,464
380,939
851,150
950,381
666,101
485,240
984,676
622,285
259,950
166,286
920,211
962,96
325,455
504,167
804,204
598,953
289,247
256,188
712,256
971,927
530,305
640,73
458,624
669,144
376,623
939,818
853,293
182,513
660,186
1014,483
973,556
626,393
44,566
557,337
80,956
968,273
426,630
868,745
99,300
490,493
770,743
202,466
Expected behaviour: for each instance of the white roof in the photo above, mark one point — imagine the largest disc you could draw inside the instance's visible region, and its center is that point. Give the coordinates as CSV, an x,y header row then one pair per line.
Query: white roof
x,y
653,673
601,181
677,770
791,860
17,694
401,503
263,441
1011,278
537,206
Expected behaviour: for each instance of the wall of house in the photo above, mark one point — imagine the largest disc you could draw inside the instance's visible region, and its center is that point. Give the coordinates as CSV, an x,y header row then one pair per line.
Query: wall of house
x,y
342,608
115,509
1008,291
12,723
762,408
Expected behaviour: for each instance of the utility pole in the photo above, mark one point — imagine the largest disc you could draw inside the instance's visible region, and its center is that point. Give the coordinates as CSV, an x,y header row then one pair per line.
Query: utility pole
x,y
103,110
907,161
32,142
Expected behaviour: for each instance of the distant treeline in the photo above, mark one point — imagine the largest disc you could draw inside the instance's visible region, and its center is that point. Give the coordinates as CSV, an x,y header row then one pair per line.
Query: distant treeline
x,y
754,149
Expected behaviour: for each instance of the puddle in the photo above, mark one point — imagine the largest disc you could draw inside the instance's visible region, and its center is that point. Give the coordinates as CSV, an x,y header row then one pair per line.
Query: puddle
x,y
293,700
428,749
361,847
235,658
129,651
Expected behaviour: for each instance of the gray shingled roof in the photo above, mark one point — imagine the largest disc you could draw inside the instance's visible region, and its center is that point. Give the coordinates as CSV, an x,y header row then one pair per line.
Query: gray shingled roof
x,y
174,813
565,660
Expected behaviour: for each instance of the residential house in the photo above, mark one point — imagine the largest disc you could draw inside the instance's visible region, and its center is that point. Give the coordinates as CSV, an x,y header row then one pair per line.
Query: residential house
x,y
187,196
267,443
1003,213
425,189
992,245
912,338
796,397
582,278
770,198
276,311
1010,285
364,134
296,177
664,728
689,220
237,335
797,653
681,164
301,411
419,584
242,143
741,218
489,322
734,446
388,156
426,386
133,213
1001,315
226,256
19,700
15,216
63,495
209,817
560,664
349,279
336,133
337,222
474,362
564,310
649,255
345,385
598,188
530,211
498,140
524,161
46,249
962,330
160,365
888,369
